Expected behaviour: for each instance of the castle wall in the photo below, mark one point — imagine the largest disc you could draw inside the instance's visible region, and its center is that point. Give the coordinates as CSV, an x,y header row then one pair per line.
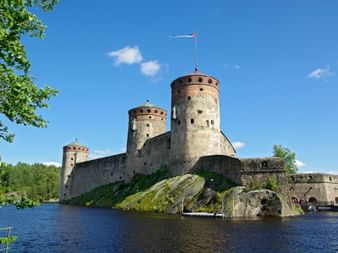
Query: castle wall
x,y
258,170
314,186
91,174
227,166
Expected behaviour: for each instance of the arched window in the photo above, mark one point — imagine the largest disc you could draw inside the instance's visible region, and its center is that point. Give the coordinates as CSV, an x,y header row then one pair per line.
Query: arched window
x,y
192,121
312,200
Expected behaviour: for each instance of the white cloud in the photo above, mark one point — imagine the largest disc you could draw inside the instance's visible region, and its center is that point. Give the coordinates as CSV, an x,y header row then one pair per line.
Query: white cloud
x,y
100,153
238,144
334,172
232,66
321,73
56,164
299,164
150,68
126,55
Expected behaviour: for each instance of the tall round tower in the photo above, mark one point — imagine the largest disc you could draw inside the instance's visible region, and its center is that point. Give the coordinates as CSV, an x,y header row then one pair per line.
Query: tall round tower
x,y
195,120
72,153
145,121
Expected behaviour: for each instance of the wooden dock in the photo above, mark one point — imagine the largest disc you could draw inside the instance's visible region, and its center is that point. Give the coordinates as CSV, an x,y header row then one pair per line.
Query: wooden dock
x,y
204,214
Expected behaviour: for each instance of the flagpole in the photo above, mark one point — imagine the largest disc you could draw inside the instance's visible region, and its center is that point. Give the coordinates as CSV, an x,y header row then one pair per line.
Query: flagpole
x,y
196,55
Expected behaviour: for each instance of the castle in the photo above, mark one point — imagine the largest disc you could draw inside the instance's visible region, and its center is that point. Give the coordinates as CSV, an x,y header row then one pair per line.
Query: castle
x,y
195,142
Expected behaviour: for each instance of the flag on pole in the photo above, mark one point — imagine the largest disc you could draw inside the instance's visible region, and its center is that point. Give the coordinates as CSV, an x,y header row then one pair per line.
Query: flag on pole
x,y
191,35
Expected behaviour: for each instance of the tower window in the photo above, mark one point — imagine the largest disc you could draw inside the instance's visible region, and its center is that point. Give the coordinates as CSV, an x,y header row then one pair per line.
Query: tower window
x,y
201,89
199,111
149,117
212,122
180,81
66,186
148,125
141,111
178,92
148,110
200,79
192,121
178,122
72,158
64,194
147,135
216,83
210,81
156,111
145,163
161,113
208,123
68,176
189,80
161,118
189,98
71,164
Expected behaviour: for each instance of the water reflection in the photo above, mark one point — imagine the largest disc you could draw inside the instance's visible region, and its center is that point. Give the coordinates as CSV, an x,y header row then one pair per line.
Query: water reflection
x,y
55,228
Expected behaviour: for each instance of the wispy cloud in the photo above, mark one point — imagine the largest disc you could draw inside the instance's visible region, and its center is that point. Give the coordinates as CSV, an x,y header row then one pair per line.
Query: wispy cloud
x,y
232,66
300,164
321,73
100,153
333,172
56,164
126,55
238,144
150,68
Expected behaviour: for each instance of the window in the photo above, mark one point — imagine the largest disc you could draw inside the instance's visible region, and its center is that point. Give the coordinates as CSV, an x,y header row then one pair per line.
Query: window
x,y
330,178
72,158
216,83
64,194
199,111
201,89
212,122
264,164
178,122
68,176
156,111
210,81
71,164
66,186
141,111
180,81
178,92
147,135
189,98
208,123
161,113
161,118
189,80
148,110
120,178
145,163
192,121
148,125
336,200
312,200
200,79
149,117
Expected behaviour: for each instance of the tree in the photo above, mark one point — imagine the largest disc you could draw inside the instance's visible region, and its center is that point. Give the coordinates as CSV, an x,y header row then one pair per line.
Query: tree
x,y
20,96
288,156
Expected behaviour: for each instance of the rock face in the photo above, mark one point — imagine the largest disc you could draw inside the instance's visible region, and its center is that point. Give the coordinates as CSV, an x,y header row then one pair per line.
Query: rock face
x,y
167,195
239,203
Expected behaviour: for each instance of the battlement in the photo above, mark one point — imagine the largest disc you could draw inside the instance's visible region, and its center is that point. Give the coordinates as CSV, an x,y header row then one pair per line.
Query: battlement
x,y
193,85
70,148
146,112
312,178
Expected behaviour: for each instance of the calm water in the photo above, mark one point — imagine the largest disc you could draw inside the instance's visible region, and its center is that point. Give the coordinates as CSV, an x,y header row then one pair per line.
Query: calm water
x,y
57,228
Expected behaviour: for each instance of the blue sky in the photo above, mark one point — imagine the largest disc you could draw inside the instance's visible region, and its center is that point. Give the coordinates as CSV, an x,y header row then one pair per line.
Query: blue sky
x,y
277,63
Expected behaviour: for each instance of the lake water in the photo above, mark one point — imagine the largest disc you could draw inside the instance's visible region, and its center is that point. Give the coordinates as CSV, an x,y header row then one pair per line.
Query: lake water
x,y
58,228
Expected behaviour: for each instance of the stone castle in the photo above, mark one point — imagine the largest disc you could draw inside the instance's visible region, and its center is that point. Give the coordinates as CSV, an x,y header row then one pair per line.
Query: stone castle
x,y
195,142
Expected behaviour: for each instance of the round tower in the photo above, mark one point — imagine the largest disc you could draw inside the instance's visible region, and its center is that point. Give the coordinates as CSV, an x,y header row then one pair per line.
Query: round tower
x,y
195,120
72,153
145,121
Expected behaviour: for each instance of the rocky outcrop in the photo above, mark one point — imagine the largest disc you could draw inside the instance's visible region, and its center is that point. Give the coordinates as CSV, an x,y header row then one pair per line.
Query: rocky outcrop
x,y
190,191
239,203
167,195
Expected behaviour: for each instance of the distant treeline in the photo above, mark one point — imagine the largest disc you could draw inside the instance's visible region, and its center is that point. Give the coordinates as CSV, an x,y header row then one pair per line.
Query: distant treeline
x,y
36,181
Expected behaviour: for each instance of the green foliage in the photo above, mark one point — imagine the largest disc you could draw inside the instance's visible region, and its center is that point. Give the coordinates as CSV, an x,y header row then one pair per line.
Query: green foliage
x,y
20,97
271,184
111,194
216,181
25,184
288,156
7,240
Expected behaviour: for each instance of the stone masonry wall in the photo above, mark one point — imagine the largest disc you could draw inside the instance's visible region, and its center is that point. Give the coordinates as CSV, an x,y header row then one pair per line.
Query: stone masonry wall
x,y
91,174
258,170
311,187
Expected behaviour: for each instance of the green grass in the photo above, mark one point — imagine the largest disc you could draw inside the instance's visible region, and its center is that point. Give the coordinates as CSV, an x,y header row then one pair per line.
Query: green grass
x,y
216,181
114,193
